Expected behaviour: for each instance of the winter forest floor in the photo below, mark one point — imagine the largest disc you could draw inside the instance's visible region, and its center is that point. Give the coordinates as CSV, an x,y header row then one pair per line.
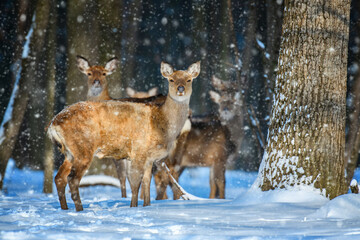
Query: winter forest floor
x,y
27,213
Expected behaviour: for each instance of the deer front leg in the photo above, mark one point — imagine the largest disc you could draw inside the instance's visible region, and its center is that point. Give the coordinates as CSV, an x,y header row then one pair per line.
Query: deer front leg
x,y
61,181
146,183
219,178
121,172
135,175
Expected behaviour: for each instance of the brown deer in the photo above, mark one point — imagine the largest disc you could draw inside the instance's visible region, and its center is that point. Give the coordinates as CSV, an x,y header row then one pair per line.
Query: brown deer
x,y
97,82
205,145
228,98
98,91
142,133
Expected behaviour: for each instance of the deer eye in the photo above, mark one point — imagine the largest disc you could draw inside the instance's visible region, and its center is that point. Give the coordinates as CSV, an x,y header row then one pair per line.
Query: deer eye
x,y
171,80
189,80
104,74
89,74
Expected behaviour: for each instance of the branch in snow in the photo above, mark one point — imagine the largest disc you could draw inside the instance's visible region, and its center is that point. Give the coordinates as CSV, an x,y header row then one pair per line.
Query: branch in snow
x,y
184,195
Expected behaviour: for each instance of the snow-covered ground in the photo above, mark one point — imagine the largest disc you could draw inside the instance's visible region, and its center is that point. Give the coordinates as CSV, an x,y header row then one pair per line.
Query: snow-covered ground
x,y
27,213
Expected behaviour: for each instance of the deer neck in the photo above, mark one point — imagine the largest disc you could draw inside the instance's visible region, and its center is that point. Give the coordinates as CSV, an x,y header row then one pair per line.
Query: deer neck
x,y
98,94
175,114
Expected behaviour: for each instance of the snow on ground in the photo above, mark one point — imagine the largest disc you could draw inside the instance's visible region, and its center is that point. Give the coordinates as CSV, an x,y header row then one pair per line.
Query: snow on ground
x,y
27,213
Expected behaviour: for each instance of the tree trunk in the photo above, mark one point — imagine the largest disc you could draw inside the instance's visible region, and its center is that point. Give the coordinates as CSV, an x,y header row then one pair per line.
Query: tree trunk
x,y
353,136
83,39
48,157
306,138
130,37
21,93
110,20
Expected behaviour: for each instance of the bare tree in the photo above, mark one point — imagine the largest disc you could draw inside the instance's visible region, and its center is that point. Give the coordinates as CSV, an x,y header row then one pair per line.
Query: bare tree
x,y
306,138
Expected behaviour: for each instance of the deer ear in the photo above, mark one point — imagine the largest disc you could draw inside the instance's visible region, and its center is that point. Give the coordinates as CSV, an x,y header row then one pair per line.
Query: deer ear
x,y
215,96
217,83
194,69
153,91
130,92
111,65
83,64
166,69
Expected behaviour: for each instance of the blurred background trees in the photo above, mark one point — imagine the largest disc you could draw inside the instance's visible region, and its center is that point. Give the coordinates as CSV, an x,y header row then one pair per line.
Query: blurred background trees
x,y
236,41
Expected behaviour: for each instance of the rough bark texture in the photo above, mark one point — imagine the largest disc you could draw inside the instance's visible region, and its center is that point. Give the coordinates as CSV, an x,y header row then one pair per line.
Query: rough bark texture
x,y
306,138
353,135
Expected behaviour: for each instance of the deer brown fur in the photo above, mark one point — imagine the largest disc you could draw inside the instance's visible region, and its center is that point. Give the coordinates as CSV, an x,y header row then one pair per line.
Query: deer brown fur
x,y
142,133
98,90
205,145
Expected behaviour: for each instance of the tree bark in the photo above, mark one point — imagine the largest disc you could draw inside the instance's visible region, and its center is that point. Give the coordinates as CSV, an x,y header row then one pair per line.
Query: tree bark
x,y
48,157
83,39
353,136
306,138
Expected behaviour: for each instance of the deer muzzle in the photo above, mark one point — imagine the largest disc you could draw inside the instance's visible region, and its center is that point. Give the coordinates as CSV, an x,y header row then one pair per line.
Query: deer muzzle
x,y
180,90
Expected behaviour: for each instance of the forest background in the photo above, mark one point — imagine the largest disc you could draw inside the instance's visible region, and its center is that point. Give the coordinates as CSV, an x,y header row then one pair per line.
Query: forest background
x,y
236,41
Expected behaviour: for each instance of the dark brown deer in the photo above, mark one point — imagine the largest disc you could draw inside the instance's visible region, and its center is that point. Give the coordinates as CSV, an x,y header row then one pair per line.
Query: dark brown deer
x,y
205,145
142,133
230,112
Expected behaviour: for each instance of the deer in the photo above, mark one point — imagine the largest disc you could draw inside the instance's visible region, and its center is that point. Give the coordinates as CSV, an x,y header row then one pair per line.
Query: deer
x,y
98,90
206,144
142,133
230,111
212,142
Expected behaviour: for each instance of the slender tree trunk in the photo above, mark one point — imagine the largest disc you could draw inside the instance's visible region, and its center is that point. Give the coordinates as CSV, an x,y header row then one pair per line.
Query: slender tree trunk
x,y
21,93
48,158
306,138
83,39
130,36
110,20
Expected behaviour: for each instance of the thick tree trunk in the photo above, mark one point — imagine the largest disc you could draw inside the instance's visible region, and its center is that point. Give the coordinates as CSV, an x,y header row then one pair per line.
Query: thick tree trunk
x,y
353,136
306,138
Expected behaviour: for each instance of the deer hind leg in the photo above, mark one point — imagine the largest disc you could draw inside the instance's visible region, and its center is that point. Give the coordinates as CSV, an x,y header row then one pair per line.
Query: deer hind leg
x,y
61,181
219,178
212,183
121,172
76,173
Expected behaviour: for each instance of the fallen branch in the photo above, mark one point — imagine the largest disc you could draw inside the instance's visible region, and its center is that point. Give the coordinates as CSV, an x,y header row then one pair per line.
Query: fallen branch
x,y
176,186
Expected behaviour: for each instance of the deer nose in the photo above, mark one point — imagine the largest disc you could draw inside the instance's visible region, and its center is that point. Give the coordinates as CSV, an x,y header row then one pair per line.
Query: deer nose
x,y
181,89
96,82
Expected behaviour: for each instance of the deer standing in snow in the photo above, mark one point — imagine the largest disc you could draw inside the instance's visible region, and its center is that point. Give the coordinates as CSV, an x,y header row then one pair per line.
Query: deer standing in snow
x,y
143,133
206,144
229,101
98,90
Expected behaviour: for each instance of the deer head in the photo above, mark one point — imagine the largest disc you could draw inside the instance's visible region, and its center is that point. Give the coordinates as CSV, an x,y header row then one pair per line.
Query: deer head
x,y
97,82
180,82
227,98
